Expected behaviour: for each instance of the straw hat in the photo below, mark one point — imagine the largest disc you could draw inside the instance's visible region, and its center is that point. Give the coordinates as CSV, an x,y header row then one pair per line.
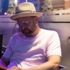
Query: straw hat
x,y
25,9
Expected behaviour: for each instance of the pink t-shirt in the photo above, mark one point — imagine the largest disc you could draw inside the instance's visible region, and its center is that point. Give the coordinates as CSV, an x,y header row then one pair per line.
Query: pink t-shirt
x,y
27,52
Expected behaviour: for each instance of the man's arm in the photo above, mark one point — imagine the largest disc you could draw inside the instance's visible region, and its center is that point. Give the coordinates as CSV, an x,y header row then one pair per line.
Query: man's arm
x,y
51,64
4,61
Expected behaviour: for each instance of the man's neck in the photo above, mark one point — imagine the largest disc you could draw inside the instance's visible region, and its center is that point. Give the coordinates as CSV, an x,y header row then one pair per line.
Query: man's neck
x,y
36,31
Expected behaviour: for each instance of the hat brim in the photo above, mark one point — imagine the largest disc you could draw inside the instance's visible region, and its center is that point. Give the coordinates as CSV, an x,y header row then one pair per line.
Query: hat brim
x,y
14,17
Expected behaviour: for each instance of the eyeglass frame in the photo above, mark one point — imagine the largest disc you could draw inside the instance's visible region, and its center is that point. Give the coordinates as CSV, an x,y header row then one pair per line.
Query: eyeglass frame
x,y
25,23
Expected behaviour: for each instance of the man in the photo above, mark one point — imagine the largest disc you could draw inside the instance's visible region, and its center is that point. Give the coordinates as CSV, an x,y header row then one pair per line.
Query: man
x,y
33,48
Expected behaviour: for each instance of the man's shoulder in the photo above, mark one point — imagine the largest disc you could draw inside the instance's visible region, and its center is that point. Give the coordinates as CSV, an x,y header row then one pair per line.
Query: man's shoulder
x,y
14,36
49,31
18,35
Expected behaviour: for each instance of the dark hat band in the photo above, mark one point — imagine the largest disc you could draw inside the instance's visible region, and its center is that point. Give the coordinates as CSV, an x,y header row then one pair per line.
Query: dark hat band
x,y
26,11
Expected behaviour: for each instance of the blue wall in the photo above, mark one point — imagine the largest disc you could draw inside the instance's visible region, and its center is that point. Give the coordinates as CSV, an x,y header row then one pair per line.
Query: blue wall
x,y
4,6
20,1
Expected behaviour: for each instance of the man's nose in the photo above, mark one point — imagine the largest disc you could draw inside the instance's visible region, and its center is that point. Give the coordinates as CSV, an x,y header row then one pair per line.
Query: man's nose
x,y
25,23
25,26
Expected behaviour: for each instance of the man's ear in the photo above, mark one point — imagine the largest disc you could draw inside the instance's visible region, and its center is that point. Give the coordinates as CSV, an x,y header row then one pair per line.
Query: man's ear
x,y
36,18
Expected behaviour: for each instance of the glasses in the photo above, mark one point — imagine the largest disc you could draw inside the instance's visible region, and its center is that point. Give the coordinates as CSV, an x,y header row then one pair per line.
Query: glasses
x,y
23,24
27,22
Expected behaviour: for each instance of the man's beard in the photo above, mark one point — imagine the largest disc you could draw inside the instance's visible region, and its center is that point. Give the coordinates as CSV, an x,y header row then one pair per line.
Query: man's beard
x,y
27,32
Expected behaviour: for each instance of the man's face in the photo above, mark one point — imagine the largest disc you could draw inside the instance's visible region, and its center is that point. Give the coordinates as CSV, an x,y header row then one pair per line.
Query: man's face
x,y
27,25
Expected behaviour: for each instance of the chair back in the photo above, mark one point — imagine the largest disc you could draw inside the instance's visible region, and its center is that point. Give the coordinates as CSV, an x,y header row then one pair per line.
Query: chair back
x,y
1,39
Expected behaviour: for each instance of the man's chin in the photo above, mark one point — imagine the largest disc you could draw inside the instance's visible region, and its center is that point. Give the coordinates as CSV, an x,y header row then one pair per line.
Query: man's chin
x,y
28,34
26,31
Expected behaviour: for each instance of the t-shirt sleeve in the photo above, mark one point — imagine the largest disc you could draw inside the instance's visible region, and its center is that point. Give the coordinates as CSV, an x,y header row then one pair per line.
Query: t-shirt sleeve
x,y
54,47
8,51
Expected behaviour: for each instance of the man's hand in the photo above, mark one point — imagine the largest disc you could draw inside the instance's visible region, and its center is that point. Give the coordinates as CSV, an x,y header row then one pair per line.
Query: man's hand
x,y
14,68
2,63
